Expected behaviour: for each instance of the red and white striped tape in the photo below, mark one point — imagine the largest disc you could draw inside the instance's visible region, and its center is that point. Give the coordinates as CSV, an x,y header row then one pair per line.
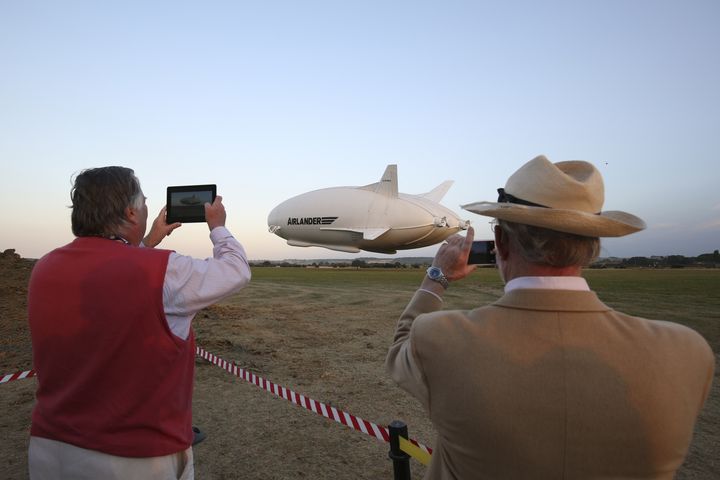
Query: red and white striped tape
x,y
344,418
17,376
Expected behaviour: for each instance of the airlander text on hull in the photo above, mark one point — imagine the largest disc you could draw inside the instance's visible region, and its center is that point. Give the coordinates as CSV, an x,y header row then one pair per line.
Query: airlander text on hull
x,y
311,220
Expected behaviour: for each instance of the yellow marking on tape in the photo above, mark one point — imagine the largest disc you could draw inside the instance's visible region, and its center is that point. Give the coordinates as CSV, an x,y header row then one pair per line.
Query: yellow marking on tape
x,y
414,451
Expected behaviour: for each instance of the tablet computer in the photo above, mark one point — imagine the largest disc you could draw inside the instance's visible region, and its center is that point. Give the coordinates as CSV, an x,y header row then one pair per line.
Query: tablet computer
x,y
186,203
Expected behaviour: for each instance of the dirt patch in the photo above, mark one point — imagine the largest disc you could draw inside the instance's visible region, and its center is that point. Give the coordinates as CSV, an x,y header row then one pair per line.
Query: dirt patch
x,y
325,340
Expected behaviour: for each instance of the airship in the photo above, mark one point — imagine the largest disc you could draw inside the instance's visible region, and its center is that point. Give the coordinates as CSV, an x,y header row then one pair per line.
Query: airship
x,y
374,218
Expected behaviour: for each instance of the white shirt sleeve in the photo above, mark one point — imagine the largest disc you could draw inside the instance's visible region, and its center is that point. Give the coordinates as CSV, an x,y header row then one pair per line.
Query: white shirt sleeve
x,y
192,284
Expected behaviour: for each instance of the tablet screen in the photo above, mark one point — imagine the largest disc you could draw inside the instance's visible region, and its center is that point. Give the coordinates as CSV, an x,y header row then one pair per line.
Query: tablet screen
x,y
187,203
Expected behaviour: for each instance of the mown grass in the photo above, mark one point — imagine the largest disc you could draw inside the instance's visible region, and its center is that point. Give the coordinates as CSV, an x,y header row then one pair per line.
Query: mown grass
x,y
360,277
327,331
687,296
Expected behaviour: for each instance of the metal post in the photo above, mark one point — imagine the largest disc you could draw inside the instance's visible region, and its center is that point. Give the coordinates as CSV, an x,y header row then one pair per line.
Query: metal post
x,y
401,460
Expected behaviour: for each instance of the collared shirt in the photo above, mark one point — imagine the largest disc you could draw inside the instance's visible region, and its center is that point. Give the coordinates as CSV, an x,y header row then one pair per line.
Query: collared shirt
x,y
192,284
547,283
544,283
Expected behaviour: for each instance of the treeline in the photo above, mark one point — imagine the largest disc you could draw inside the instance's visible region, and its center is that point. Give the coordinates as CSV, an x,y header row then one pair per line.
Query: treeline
x,y
342,264
706,260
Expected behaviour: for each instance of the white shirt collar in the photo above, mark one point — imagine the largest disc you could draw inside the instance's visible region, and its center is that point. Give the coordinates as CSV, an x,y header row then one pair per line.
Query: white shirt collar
x,y
548,283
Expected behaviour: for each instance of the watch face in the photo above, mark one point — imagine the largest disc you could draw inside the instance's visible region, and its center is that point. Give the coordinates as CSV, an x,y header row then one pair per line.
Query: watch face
x,y
434,272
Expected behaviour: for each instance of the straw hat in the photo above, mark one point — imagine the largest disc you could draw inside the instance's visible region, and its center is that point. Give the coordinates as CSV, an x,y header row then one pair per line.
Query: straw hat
x,y
564,196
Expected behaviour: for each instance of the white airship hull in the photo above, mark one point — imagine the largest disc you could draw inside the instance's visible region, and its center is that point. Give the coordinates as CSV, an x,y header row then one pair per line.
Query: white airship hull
x,y
373,218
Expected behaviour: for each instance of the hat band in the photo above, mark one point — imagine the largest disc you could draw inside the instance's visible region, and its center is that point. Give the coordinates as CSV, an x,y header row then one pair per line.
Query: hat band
x,y
504,197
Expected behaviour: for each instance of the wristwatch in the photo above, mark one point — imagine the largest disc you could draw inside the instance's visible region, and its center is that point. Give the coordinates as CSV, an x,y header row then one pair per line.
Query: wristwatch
x,y
436,275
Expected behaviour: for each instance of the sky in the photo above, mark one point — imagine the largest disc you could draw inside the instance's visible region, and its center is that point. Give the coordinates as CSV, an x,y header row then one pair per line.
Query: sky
x,y
270,99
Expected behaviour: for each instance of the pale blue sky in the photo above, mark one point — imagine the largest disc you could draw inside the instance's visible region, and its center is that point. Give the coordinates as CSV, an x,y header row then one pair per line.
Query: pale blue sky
x,y
269,99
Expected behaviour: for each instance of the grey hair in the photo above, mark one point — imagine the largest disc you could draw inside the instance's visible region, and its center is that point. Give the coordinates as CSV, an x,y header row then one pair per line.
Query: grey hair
x,y
549,247
138,200
99,199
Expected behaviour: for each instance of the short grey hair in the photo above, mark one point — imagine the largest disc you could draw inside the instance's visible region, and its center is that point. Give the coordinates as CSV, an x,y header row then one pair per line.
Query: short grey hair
x,y
549,247
99,199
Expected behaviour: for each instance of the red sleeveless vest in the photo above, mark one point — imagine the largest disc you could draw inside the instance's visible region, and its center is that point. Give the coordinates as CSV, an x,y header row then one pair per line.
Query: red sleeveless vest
x,y
112,377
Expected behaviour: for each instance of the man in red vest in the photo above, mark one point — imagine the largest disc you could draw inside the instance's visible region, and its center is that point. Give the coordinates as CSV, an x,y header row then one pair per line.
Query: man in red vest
x,y
110,319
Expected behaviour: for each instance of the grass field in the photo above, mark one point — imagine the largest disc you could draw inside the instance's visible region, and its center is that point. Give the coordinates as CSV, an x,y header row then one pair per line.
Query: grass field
x,y
325,333
366,303
687,296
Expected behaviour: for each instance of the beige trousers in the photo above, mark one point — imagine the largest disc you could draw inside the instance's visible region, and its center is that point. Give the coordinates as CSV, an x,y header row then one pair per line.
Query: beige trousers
x,y
50,459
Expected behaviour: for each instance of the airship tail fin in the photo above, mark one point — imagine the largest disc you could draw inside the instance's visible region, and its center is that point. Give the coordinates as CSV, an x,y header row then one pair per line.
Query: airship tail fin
x,y
437,193
388,184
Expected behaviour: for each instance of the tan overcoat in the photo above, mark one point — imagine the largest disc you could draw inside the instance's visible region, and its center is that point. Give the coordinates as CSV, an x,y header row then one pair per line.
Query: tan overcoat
x,y
551,384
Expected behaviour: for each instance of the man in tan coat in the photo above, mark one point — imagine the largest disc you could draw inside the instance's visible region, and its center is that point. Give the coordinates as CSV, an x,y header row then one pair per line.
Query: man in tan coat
x,y
548,381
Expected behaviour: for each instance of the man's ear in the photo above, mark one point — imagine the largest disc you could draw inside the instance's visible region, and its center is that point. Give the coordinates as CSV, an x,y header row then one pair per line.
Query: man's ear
x,y
131,215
